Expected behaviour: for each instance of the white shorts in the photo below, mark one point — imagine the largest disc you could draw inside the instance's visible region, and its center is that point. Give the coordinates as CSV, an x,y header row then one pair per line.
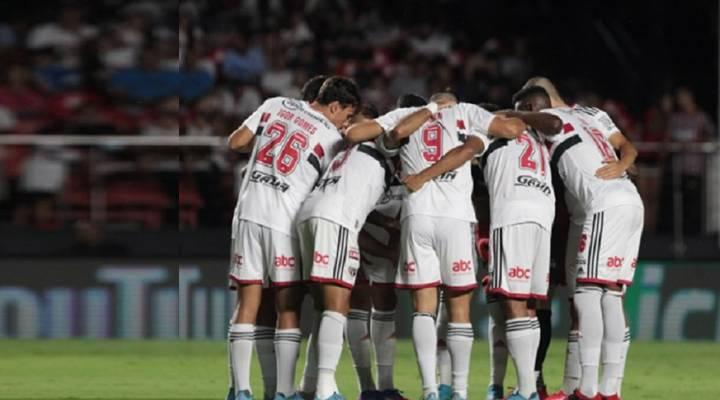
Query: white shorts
x,y
330,252
378,271
436,251
261,255
609,245
520,261
573,244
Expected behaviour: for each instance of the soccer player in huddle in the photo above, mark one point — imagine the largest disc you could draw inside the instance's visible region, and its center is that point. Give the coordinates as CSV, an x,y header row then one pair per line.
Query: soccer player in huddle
x,y
600,194
291,144
436,229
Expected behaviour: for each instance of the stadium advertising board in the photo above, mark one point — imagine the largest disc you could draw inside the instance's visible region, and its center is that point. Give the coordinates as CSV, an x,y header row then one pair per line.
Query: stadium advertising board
x,y
135,299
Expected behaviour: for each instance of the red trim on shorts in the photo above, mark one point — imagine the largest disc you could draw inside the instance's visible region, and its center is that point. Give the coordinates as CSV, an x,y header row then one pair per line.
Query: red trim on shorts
x,y
245,281
505,293
419,286
461,288
623,282
286,284
337,282
382,284
596,281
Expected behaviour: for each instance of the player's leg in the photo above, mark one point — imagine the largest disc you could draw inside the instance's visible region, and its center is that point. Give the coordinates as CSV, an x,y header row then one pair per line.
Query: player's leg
x,y
382,326
286,276
444,363
544,317
419,271
456,251
511,272
330,338
358,334
498,347
265,342
308,382
248,272
540,304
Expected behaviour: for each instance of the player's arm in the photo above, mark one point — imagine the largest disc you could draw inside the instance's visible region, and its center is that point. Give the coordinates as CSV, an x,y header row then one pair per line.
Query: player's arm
x,y
363,131
506,127
453,159
628,154
547,124
241,139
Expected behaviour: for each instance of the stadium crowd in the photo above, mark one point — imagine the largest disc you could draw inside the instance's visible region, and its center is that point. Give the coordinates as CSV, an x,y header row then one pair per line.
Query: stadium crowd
x,y
112,68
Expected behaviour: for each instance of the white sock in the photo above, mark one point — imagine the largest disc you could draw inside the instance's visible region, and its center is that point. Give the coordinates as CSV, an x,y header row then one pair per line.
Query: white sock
x,y
287,349
520,341
623,360
614,334
358,338
444,362
589,307
498,344
459,342
571,377
308,383
231,376
382,331
330,345
425,343
241,349
535,324
265,349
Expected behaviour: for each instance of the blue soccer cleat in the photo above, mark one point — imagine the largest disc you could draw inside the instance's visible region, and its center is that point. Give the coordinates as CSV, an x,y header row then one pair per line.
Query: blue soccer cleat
x,y
243,395
334,396
431,396
517,396
494,392
445,392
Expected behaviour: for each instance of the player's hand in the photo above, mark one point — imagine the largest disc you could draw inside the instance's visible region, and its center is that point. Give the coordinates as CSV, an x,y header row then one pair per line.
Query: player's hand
x,y
413,183
611,170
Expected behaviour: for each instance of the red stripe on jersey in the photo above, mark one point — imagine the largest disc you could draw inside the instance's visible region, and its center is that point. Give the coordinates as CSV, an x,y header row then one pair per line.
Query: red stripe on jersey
x,y
567,128
265,117
318,150
460,124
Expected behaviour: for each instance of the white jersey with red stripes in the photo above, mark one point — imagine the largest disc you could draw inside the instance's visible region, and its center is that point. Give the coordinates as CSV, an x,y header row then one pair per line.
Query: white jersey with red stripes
x,y
449,194
580,150
293,146
519,180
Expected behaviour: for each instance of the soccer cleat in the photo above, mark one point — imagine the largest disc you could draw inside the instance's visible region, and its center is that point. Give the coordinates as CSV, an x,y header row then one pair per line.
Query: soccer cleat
x,y
392,394
613,397
369,395
542,392
445,392
494,392
431,396
577,395
559,395
334,396
517,396
243,395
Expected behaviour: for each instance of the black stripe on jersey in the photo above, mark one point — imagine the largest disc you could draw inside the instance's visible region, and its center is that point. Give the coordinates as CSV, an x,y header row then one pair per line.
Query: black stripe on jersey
x,y
562,148
591,111
377,155
497,144
313,160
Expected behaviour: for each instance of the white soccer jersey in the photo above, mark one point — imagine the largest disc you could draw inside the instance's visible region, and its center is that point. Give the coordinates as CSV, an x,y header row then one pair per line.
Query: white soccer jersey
x,y
519,180
579,151
350,188
293,146
447,195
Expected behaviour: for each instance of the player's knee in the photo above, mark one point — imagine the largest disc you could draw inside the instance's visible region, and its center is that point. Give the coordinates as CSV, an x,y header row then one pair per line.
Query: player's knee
x,y
384,298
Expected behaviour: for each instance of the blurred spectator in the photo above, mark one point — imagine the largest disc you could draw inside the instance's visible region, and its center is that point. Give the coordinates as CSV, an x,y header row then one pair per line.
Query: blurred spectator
x,y
148,81
163,121
65,35
243,59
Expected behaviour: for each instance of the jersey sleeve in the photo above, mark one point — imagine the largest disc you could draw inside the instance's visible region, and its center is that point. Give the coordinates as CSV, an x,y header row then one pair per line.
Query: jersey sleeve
x,y
261,115
605,124
389,120
479,120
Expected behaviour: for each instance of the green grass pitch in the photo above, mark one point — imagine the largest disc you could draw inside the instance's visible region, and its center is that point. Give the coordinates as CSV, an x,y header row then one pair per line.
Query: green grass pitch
x,y
197,370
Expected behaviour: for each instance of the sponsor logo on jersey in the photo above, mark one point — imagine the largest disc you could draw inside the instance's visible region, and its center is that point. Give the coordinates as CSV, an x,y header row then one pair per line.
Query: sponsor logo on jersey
x,y
285,262
461,266
269,180
532,182
320,258
354,254
615,262
410,267
292,104
519,273
325,182
447,177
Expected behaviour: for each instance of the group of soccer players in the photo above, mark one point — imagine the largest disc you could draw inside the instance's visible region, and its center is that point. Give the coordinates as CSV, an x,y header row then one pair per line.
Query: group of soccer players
x,y
345,205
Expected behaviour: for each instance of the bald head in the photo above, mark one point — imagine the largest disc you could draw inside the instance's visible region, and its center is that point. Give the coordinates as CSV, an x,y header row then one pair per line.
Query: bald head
x,y
545,83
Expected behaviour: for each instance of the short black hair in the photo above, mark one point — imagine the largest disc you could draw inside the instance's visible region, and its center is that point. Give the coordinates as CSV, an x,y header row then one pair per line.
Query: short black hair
x,y
410,100
340,89
492,107
368,110
310,89
530,91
